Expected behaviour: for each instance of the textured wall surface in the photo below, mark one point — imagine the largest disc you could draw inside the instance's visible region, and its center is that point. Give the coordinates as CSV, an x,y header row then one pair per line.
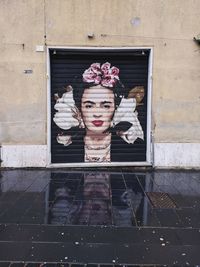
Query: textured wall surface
x,y
168,26
23,96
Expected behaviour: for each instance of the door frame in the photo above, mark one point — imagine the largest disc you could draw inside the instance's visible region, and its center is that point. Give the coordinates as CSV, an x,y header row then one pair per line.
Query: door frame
x,y
149,147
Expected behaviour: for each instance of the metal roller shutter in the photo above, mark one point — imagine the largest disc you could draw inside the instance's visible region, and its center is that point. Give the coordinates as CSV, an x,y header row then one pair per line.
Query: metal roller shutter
x,y
66,65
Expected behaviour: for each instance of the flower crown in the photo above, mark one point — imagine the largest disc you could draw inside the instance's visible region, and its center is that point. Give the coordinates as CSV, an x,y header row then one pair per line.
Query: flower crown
x,y
104,75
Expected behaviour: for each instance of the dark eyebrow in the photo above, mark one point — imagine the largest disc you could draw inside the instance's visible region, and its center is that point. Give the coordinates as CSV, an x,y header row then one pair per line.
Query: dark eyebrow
x,y
88,102
93,103
106,102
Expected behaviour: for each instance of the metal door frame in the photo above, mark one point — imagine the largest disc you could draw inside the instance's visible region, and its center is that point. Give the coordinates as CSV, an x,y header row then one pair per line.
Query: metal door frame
x,y
149,148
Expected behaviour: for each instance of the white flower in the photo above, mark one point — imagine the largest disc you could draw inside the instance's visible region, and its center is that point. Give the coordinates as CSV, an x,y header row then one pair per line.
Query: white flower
x,y
64,139
65,117
126,112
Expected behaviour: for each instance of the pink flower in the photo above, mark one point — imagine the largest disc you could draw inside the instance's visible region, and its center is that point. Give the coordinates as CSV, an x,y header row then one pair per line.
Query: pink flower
x,y
97,80
108,81
114,72
89,76
95,67
105,68
104,75
92,75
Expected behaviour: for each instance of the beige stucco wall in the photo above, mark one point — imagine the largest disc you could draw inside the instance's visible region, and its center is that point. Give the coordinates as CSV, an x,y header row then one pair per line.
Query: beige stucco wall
x,y
23,96
168,26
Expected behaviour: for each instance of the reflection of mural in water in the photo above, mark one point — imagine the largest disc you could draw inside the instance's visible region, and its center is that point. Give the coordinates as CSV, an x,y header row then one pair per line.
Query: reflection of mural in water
x,y
89,203
94,200
96,112
96,208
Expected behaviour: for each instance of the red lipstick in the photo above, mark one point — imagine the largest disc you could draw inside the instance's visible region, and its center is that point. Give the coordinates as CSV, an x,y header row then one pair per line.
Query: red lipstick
x,y
97,123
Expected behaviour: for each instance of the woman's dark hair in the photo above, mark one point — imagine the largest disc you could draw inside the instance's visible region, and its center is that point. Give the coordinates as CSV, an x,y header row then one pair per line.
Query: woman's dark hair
x,y
79,86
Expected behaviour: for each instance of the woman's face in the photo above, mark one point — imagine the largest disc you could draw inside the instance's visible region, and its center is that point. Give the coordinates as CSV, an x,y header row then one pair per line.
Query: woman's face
x,y
97,107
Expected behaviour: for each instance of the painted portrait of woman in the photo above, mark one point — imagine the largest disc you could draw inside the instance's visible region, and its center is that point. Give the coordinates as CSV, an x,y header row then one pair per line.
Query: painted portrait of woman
x,y
96,115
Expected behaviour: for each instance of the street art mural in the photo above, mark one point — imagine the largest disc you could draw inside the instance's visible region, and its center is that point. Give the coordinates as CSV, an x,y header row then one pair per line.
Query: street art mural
x,y
96,116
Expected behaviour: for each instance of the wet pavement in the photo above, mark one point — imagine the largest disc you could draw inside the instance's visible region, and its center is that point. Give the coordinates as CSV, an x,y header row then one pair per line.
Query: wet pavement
x,y
99,218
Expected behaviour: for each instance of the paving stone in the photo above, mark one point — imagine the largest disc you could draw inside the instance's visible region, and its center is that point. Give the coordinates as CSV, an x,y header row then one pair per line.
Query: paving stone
x,y
122,228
